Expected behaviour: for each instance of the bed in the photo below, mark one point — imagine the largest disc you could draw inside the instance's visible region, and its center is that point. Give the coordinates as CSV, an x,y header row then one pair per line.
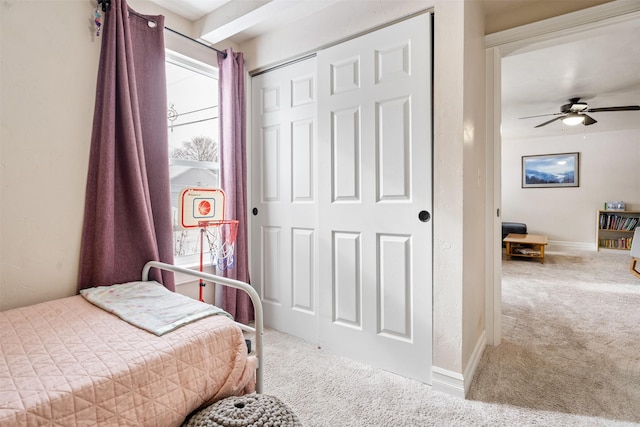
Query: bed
x,y
68,362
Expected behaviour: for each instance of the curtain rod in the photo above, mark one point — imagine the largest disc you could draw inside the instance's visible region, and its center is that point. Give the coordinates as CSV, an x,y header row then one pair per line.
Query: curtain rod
x,y
105,6
196,41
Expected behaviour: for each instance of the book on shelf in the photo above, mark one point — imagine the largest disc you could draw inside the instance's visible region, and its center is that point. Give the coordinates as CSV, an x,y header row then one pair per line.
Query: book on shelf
x,y
617,222
619,243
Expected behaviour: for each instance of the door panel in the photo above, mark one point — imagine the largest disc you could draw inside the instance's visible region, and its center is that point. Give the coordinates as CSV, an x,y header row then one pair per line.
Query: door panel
x,y
303,161
347,283
303,272
271,272
374,133
270,164
284,242
394,294
394,149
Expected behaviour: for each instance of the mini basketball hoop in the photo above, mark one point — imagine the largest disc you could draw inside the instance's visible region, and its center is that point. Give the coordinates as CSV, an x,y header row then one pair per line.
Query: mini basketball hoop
x,y
203,208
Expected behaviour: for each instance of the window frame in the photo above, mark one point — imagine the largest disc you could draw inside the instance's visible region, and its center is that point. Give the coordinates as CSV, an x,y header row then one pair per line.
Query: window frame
x,y
196,66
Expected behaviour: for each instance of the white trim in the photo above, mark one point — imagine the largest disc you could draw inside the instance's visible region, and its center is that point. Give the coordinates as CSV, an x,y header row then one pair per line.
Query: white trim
x,y
493,235
454,383
559,245
564,25
474,361
190,63
448,382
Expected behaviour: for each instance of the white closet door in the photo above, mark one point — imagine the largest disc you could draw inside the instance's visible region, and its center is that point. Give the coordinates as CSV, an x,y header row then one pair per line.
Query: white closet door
x,y
374,140
284,195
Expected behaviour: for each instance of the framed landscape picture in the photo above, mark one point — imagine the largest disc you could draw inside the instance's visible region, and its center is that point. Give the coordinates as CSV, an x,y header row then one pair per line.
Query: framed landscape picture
x,y
550,170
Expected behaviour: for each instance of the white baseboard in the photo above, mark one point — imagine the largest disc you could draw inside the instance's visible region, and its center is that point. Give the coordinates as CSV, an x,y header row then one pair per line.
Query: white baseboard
x,y
474,361
558,245
454,383
448,382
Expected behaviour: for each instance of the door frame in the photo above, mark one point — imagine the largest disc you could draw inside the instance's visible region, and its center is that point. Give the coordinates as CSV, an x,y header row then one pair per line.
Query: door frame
x,y
497,46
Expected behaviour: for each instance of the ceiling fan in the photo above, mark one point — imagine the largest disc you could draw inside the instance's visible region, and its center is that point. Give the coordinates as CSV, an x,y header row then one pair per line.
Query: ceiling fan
x,y
575,111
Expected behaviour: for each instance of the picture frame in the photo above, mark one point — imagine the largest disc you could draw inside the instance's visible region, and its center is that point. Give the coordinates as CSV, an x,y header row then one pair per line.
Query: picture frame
x,y
551,170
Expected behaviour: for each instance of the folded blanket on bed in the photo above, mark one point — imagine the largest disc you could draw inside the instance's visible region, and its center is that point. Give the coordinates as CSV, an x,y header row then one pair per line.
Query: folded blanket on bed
x,y
149,305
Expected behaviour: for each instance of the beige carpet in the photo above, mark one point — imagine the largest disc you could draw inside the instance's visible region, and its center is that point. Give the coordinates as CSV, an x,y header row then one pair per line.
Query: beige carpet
x,y
571,332
570,357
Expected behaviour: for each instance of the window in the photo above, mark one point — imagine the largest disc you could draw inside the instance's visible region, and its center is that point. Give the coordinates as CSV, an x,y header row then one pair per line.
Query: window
x,y
192,98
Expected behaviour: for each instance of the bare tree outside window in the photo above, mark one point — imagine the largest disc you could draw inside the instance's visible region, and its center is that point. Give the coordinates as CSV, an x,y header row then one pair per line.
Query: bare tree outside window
x,y
197,157
201,148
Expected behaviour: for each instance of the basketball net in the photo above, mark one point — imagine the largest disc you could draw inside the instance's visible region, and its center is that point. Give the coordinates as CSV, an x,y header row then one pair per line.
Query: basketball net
x,y
221,237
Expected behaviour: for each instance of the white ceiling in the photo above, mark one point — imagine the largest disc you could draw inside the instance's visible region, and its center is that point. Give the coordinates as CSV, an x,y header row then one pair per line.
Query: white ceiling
x,y
601,67
192,10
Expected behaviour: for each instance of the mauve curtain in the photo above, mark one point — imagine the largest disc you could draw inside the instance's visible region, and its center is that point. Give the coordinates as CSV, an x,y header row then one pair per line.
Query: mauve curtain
x,y
233,178
127,219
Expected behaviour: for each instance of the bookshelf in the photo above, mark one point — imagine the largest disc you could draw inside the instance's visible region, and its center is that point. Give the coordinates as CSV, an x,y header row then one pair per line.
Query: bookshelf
x,y
615,229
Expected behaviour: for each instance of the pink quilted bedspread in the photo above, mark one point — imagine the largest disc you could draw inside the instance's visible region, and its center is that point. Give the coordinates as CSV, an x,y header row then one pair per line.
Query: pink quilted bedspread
x,y
67,362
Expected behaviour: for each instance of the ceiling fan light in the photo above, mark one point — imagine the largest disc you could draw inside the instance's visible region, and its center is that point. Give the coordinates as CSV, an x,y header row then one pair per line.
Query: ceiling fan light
x,y
573,119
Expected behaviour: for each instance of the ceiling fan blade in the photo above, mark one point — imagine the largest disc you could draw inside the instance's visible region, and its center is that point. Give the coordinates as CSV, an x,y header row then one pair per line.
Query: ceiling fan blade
x,y
588,120
546,123
541,115
624,108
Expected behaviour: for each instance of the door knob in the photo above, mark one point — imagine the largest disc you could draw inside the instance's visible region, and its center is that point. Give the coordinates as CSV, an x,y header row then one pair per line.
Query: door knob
x,y
424,216
254,211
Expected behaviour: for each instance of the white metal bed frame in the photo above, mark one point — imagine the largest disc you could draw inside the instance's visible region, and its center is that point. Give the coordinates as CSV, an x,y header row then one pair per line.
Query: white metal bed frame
x,y
255,300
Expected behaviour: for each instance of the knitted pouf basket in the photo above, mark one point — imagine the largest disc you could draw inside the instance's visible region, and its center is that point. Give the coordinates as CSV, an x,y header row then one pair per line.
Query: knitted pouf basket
x,y
252,410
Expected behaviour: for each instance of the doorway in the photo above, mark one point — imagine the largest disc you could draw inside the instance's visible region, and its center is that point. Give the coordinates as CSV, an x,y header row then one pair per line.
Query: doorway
x,y
500,45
